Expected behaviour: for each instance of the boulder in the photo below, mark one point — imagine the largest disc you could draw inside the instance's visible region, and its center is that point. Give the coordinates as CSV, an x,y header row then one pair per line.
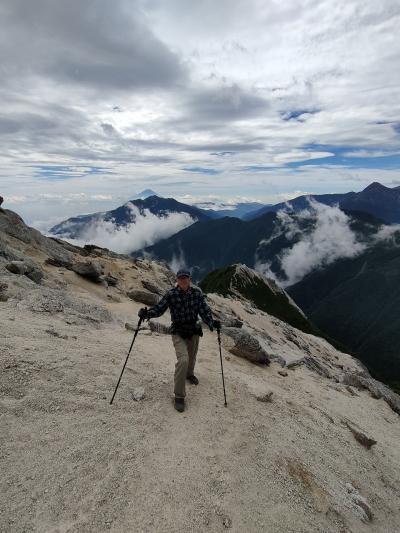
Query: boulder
x,y
111,280
246,345
144,297
27,268
59,261
152,287
91,270
16,267
35,274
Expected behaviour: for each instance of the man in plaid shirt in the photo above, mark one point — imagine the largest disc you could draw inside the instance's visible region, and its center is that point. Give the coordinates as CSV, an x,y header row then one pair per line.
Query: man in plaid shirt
x,y
185,303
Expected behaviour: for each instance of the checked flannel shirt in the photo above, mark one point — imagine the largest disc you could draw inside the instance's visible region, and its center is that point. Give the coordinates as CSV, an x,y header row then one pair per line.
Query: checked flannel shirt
x,y
184,306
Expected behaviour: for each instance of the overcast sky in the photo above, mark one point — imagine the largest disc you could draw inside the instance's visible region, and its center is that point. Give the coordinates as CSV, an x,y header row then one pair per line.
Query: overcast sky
x,y
255,99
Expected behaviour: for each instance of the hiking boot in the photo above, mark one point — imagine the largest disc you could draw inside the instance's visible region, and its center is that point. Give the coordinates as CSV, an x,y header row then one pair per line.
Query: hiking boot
x,y
179,404
193,380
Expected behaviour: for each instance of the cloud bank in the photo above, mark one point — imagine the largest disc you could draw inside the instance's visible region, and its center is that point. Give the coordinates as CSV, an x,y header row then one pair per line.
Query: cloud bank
x,y
330,238
146,230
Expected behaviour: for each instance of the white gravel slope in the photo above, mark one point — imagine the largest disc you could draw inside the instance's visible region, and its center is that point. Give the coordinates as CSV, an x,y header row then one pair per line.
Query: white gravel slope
x,y
70,462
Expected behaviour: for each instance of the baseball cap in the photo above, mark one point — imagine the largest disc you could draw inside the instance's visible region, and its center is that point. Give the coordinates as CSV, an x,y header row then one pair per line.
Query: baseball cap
x,y
183,273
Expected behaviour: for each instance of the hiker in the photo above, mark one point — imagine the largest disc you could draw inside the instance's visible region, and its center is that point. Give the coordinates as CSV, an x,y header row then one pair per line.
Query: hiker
x,y
185,303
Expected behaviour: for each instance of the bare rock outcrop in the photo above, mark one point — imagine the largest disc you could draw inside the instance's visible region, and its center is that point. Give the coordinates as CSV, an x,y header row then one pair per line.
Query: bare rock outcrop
x,y
376,388
147,298
246,345
91,270
26,268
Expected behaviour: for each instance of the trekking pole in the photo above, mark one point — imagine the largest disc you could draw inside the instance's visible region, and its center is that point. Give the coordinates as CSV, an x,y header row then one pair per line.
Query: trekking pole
x,y
126,360
222,367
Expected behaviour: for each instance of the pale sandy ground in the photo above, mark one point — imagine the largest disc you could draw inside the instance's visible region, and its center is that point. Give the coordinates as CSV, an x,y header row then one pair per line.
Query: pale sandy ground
x,y
70,462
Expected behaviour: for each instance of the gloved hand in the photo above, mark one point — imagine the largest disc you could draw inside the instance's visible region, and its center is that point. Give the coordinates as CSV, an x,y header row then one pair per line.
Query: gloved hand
x,y
215,324
142,313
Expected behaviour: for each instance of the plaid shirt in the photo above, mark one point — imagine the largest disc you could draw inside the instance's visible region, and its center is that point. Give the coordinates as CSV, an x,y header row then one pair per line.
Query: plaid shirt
x,y
184,306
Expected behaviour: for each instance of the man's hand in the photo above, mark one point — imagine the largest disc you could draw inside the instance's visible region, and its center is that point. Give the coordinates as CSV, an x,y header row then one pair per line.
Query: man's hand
x,y
215,324
142,313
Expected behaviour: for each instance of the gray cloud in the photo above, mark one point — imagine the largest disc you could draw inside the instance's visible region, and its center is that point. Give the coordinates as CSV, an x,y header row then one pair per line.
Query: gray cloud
x,y
225,148
101,45
25,121
147,88
225,103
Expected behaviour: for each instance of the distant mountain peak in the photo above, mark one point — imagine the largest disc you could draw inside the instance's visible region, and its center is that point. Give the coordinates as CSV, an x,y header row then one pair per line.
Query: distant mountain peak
x,y
145,194
375,186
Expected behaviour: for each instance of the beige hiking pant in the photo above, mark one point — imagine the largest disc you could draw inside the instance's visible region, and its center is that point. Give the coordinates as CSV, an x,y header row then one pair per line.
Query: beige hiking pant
x,y
186,351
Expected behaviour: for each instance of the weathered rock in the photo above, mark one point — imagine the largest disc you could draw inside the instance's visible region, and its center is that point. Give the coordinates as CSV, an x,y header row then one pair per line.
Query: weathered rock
x,y
246,345
376,388
91,270
360,504
360,437
12,225
265,398
16,267
297,362
144,297
152,287
111,280
35,274
27,268
138,394
316,366
59,261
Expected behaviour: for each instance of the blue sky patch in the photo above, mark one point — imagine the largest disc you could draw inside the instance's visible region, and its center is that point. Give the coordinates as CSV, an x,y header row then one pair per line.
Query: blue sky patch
x,y
342,157
396,127
202,170
65,172
296,114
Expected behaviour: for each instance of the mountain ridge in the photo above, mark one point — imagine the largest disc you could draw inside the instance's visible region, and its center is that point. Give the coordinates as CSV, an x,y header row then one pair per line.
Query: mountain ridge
x,y
384,203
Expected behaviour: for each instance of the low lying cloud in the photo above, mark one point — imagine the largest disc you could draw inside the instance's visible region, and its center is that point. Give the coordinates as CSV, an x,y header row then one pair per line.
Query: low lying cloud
x,y
178,261
331,238
389,234
146,230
